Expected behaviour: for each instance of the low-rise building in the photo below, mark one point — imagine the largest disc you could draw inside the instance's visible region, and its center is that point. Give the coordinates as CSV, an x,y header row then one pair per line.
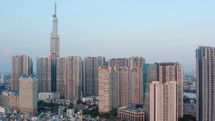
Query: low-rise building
x,y
48,95
130,113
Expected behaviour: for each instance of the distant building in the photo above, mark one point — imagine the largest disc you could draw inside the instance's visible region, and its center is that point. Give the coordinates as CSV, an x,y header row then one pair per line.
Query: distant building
x,y
130,114
3,78
90,75
119,62
28,94
73,78
134,62
43,72
48,95
163,101
21,64
205,70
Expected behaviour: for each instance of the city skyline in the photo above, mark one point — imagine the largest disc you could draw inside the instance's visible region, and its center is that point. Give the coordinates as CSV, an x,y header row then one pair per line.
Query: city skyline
x,y
117,30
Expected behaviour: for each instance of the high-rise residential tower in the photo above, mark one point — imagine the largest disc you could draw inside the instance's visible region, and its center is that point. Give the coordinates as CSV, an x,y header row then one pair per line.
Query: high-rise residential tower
x,y
69,77
205,70
167,72
21,64
43,72
28,94
163,101
54,50
119,86
108,89
124,74
90,75
136,86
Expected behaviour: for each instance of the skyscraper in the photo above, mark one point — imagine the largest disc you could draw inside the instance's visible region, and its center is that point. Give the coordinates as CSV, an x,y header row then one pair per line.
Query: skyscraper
x,y
105,92
54,50
90,75
149,75
21,64
136,86
69,77
163,101
124,74
43,72
28,94
205,69
173,72
119,86
47,66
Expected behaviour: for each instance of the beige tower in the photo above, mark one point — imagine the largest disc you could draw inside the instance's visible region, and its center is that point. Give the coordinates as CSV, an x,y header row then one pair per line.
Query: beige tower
x,y
173,72
105,94
69,77
43,71
124,85
163,101
21,64
28,94
60,76
136,86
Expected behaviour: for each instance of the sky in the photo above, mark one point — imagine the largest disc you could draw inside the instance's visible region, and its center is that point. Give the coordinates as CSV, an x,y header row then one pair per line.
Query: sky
x,y
158,30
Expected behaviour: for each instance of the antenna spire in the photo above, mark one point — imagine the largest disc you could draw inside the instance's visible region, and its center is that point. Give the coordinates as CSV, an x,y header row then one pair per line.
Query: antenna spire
x,y
55,10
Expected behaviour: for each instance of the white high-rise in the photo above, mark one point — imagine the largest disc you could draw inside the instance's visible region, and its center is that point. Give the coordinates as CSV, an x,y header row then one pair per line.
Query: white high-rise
x,y
163,101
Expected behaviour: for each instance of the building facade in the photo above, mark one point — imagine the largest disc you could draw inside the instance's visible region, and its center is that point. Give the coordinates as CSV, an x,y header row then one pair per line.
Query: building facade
x,y
173,72
54,51
119,62
90,75
149,75
124,74
43,72
130,114
205,70
21,64
163,101
28,94
105,94
136,86
134,62
69,77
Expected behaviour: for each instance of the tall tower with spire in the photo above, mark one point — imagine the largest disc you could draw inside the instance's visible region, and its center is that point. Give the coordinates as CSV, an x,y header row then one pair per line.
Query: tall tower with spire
x,y
55,44
54,50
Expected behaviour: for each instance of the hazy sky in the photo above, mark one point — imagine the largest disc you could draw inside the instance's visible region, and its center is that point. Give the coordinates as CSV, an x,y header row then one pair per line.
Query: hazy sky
x,y
159,30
